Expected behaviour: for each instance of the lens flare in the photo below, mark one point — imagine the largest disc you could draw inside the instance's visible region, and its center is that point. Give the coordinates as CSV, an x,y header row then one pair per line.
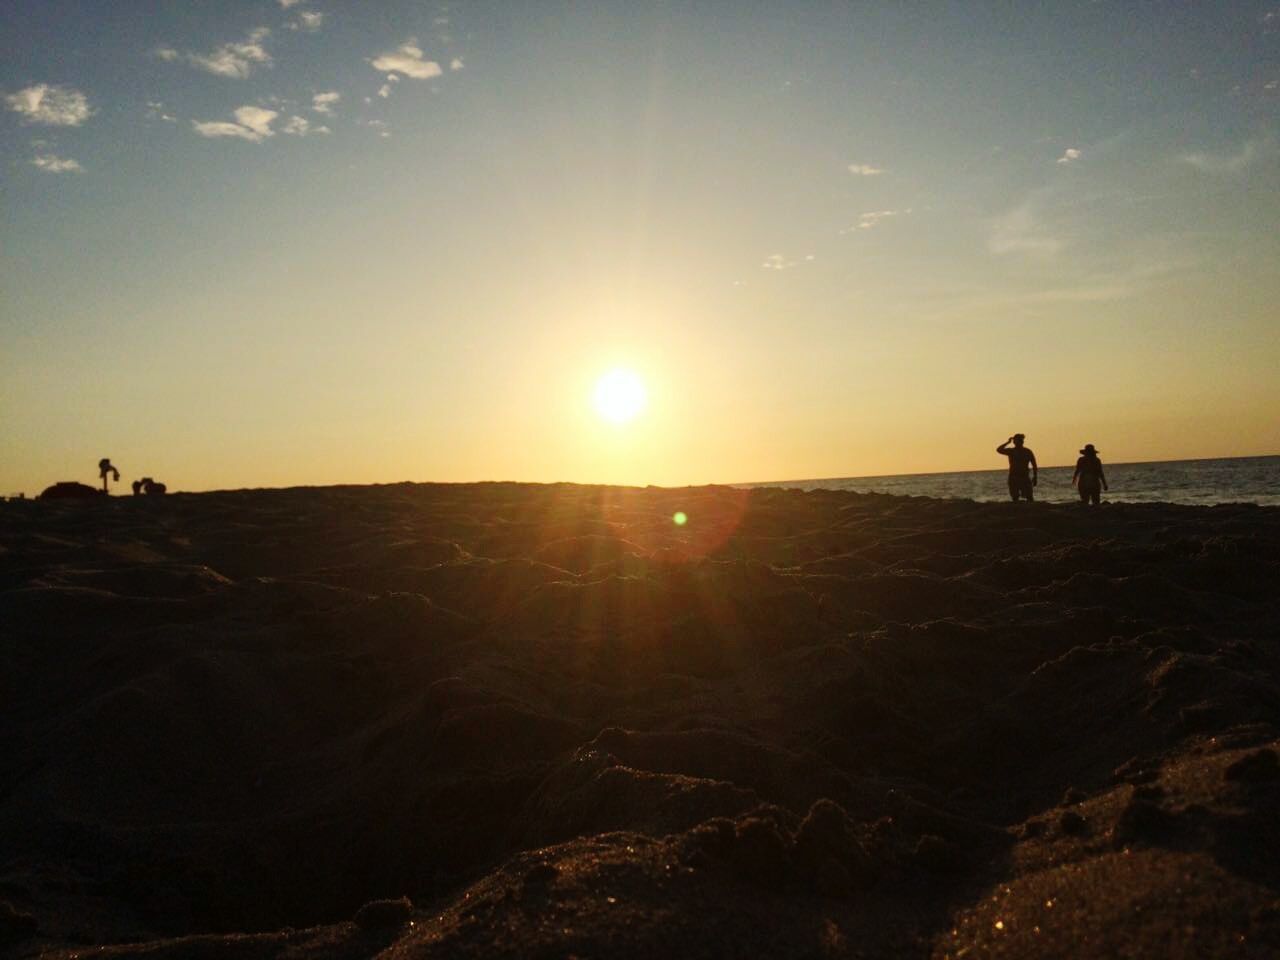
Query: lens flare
x,y
680,518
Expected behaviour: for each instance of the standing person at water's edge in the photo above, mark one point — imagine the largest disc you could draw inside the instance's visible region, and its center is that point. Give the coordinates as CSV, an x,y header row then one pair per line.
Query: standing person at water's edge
x,y
1021,458
1089,478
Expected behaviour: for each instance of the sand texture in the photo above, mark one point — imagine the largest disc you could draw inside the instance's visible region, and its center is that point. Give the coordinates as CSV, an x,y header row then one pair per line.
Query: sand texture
x,y
251,724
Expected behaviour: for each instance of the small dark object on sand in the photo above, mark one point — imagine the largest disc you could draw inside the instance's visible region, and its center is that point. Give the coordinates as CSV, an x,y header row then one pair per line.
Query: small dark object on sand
x,y
14,924
384,913
760,851
1071,823
1254,767
1032,829
70,490
541,874
939,856
832,880
1143,822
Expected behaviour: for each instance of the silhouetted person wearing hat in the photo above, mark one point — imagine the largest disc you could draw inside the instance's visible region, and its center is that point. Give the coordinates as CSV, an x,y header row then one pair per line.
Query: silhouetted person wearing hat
x,y
1089,478
1024,474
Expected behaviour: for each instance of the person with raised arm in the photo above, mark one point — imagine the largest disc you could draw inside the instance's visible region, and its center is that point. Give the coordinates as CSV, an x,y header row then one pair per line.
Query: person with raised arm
x,y
1024,473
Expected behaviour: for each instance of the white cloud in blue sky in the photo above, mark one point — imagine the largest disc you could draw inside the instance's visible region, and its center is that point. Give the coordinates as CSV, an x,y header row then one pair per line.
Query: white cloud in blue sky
x,y
308,20
323,102
865,170
50,105
251,123
51,163
297,126
236,60
409,60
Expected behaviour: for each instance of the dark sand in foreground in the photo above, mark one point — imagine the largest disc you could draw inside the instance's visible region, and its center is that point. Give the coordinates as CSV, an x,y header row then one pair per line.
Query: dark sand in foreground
x,y
803,725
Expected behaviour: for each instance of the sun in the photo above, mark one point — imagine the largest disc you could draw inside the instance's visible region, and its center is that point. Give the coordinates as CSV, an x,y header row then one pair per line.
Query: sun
x,y
620,396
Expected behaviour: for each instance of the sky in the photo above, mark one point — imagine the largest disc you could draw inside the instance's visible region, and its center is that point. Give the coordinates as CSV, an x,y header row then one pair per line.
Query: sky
x,y
293,242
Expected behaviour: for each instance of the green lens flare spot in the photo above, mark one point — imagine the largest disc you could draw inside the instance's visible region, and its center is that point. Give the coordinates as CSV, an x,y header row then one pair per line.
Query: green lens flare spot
x,y
680,518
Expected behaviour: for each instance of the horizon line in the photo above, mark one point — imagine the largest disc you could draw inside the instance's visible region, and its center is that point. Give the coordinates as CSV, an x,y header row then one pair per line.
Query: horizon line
x,y
1052,466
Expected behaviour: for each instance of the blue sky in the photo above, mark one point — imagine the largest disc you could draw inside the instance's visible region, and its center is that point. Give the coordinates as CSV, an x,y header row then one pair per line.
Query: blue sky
x,y
259,243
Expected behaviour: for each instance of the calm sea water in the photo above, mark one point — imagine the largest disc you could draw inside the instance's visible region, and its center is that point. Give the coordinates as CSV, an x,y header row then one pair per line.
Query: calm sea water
x,y
1235,480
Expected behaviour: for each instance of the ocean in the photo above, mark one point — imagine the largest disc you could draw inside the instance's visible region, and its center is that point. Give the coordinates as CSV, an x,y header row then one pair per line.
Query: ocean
x,y
1233,480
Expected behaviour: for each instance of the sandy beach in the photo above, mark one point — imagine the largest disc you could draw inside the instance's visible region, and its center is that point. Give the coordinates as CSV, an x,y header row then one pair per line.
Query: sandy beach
x,y
250,724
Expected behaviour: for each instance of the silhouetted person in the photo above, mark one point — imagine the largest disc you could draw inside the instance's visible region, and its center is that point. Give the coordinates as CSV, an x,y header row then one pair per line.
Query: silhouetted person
x,y
153,488
1021,458
137,487
1089,478
104,468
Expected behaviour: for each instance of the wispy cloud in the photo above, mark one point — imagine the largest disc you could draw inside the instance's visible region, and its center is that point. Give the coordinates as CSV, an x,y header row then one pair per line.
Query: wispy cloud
x,y
457,64
323,102
223,128
779,261
1226,163
864,169
1069,155
872,218
1020,232
308,20
51,105
251,123
286,4
156,111
54,164
235,60
297,126
385,90
407,59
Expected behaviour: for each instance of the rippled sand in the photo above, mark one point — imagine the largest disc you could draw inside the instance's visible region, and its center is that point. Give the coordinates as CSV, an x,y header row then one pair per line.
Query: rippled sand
x,y
560,724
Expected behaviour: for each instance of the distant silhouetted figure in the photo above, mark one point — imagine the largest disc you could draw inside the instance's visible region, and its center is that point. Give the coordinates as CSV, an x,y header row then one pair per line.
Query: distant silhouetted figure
x,y
153,488
137,487
1021,481
105,468
1089,478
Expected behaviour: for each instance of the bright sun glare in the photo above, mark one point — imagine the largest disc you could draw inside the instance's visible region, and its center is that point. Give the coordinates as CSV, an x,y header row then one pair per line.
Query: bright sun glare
x,y
620,396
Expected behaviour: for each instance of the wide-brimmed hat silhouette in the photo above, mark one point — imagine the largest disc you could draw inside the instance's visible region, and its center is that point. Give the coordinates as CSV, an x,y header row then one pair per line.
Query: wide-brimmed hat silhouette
x,y
1088,449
